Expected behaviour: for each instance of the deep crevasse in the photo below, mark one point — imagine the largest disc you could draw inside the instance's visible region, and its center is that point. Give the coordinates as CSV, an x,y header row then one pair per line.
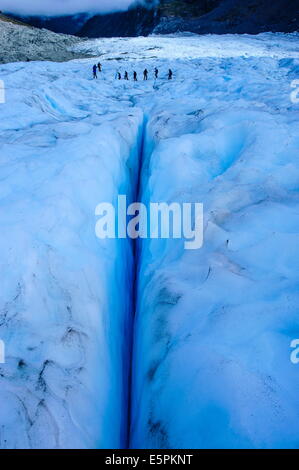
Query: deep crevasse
x,y
212,329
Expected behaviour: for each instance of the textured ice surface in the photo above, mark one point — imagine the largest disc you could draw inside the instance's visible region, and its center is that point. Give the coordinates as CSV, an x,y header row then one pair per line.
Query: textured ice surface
x,y
213,327
65,296
21,43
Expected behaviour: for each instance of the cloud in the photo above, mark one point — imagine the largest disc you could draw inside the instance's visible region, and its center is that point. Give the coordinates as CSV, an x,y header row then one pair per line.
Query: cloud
x,y
64,7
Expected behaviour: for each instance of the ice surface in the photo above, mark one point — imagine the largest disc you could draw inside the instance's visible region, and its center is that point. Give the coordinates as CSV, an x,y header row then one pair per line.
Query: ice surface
x,y
213,327
65,295
212,362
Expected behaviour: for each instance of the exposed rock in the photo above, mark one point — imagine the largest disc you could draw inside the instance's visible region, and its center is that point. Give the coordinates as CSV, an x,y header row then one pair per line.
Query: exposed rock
x,y
20,42
171,16
228,16
134,22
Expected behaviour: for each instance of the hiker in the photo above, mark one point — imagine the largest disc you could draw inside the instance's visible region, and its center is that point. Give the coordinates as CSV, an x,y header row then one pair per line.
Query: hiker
x,y
119,75
94,69
170,74
156,72
126,77
135,76
145,74
100,67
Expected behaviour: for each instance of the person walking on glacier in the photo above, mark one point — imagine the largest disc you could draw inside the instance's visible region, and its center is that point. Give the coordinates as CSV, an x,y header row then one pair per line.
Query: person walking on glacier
x,y
135,76
170,74
94,69
156,73
126,77
145,74
100,67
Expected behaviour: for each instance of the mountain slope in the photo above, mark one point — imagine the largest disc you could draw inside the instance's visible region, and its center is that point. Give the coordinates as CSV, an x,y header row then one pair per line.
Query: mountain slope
x,y
171,16
134,22
20,42
12,20
69,24
228,16
198,16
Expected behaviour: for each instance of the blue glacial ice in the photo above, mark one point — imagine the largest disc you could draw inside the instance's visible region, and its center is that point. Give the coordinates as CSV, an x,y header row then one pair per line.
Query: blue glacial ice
x,y
212,328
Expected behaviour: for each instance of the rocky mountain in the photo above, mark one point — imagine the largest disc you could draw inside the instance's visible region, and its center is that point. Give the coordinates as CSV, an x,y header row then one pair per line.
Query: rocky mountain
x,y
70,24
20,42
228,16
138,21
171,16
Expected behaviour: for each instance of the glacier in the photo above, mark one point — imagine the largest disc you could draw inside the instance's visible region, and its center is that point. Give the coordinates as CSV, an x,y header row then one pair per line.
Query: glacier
x,y
65,295
114,343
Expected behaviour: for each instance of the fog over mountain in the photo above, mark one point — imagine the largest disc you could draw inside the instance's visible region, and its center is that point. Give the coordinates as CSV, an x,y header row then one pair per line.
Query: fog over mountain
x,y
66,7
105,18
198,16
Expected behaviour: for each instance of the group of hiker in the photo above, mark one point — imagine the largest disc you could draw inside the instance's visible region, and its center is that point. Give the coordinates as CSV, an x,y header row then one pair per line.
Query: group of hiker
x,y
145,75
98,68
